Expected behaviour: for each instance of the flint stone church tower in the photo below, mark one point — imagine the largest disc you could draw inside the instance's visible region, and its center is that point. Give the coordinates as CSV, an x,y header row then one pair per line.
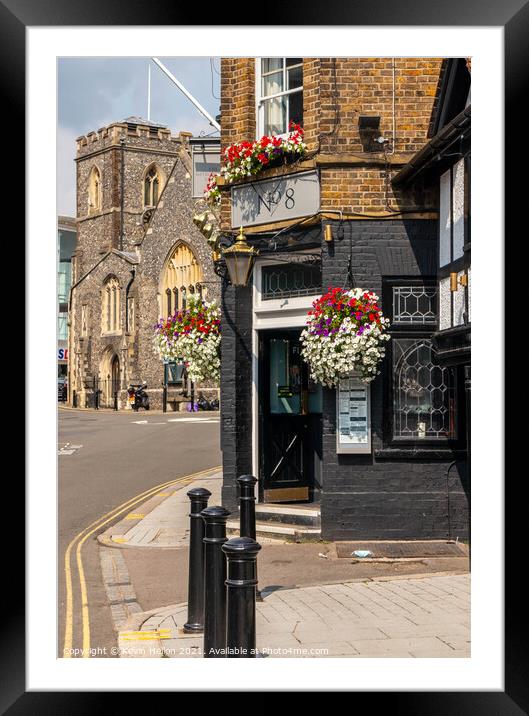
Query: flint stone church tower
x,y
138,257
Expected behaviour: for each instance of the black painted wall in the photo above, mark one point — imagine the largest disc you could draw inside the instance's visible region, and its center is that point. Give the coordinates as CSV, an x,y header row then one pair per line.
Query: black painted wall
x,y
375,496
235,389
378,496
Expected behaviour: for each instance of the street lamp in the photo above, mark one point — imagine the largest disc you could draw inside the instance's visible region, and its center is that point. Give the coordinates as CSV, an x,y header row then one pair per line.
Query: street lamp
x,y
239,258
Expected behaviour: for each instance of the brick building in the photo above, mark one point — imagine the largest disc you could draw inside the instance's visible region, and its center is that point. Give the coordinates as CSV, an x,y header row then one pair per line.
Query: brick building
x,y
138,256
347,223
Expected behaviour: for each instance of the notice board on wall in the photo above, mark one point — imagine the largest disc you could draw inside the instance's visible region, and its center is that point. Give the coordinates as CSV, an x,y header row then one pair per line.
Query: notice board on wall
x,y
353,416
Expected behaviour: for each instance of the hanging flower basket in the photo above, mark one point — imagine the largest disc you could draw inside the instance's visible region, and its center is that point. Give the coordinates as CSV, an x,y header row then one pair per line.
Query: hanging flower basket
x,y
345,333
192,336
246,159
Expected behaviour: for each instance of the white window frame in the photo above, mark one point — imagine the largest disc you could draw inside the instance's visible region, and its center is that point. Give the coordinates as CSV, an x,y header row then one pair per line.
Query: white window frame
x,y
275,313
259,98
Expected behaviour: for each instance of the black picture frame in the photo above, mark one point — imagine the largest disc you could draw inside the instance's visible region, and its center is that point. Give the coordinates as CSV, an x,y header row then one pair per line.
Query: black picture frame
x,y
513,16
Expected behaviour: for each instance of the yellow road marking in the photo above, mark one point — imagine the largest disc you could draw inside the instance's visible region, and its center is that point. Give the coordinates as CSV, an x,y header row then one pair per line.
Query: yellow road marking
x,y
147,634
134,516
120,540
145,638
101,522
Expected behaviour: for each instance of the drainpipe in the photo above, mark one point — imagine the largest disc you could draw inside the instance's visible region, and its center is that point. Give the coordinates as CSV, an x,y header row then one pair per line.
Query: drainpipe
x,y
125,361
393,102
122,143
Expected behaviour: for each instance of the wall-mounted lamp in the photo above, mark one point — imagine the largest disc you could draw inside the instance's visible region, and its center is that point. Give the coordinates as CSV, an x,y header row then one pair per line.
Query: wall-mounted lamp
x,y
456,280
239,258
327,233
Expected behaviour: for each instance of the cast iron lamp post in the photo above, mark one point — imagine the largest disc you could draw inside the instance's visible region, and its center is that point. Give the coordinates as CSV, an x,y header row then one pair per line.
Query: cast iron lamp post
x,y
239,258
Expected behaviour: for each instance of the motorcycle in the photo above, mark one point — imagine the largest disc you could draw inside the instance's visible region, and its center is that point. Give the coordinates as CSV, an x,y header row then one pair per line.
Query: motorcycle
x,y
202,403
214,404
205,404
137,397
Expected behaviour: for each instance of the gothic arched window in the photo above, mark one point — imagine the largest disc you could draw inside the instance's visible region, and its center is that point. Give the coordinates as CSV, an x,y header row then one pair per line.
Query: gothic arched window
x,y
111,306
151,187
182,276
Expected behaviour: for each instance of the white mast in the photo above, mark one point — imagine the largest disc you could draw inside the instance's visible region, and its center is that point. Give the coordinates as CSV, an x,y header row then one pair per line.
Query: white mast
x,y
149,94
187,94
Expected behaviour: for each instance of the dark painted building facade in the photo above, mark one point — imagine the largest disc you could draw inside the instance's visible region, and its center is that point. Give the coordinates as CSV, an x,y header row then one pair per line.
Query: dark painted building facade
x,y
366,120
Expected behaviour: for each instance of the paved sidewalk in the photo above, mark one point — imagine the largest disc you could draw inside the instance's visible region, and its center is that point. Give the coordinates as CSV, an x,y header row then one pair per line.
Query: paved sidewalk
x,y
384,617
167,525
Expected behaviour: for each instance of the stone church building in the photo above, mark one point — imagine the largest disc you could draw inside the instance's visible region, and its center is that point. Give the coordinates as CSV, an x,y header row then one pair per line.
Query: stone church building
x,y
138,257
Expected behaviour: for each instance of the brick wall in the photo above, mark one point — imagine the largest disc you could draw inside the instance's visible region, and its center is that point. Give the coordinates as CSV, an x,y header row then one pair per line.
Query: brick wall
x,y
378,495
337,91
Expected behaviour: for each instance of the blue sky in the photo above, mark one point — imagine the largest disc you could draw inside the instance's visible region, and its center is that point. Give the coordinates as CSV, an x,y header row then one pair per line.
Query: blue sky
x,y
95,91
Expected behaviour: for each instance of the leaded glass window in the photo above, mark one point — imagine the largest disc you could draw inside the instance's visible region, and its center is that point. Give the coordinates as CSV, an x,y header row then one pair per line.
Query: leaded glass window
x,y
151,187
110,309
423,392
415,305
182,275
290,280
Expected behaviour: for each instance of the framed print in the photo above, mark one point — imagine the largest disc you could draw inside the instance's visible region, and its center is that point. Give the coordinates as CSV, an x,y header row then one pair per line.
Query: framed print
x,y
329,444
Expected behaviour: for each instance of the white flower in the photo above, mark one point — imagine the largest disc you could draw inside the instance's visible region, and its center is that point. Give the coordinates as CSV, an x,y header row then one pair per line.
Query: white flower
x,y
338,354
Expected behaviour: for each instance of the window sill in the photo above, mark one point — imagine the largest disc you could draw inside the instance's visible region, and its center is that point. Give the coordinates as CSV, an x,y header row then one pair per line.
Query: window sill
x,y
422,453
270,173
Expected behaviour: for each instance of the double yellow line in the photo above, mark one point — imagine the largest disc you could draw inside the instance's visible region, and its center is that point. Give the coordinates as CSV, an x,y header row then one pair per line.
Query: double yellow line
x,y
77,543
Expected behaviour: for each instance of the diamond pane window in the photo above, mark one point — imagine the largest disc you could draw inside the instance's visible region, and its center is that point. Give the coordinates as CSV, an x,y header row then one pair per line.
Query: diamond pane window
x,y
290,280
423,396
415,305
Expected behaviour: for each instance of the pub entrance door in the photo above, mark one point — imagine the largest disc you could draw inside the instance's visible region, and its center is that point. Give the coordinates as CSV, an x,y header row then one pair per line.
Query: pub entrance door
x,y
290,421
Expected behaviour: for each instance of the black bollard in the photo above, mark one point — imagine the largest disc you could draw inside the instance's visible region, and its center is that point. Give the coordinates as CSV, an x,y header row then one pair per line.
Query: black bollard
x,y
215,582
195,601
247,505
247,511
241,583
